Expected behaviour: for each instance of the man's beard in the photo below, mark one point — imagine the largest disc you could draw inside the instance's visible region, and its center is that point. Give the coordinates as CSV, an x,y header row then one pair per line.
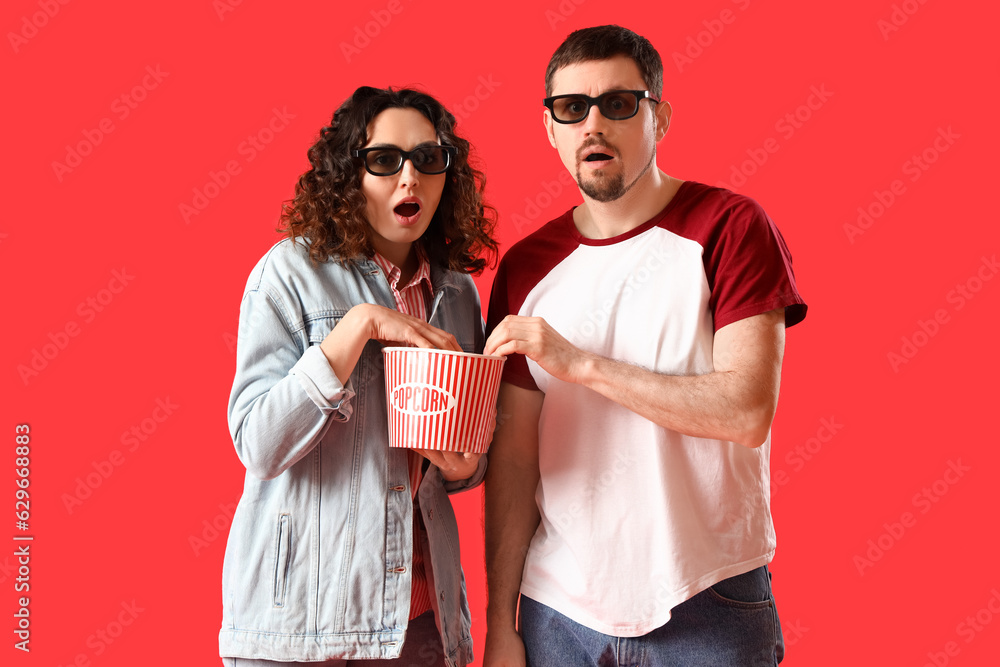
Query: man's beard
x,y
602,189
612,188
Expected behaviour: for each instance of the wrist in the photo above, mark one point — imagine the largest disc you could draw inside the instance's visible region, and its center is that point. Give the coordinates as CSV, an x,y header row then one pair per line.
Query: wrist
x,y
503,619
359,320
343,345
452,476
500,625
587,369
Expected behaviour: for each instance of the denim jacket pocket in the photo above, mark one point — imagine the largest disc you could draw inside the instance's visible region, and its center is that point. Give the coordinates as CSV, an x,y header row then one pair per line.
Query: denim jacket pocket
x,y
282,548
319,325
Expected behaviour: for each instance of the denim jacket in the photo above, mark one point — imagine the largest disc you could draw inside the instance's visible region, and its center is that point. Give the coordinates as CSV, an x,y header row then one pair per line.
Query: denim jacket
x,y
318,560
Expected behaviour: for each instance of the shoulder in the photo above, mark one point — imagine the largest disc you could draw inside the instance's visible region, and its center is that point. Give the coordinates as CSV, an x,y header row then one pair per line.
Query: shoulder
x,y
707,214
715,202
443,277
553,240
528,262
287,263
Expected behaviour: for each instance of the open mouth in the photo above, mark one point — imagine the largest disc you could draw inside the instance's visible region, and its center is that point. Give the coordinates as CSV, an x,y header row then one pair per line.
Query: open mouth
x,y
597,157
407,209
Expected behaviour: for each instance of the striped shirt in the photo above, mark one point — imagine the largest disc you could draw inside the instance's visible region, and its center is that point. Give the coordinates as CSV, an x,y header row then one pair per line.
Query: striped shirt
x,y
414,299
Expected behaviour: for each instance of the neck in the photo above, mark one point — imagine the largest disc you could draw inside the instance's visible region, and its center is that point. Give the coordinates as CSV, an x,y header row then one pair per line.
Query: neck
x,y
650,194
402,255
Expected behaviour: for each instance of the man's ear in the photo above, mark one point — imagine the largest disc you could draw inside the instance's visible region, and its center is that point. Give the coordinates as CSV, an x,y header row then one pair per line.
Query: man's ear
x,y
662,114
548,122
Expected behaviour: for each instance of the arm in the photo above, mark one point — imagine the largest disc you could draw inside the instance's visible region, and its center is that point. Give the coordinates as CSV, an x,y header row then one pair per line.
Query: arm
x,y
735,402
283,396
283,400
342,348
511,518
462,471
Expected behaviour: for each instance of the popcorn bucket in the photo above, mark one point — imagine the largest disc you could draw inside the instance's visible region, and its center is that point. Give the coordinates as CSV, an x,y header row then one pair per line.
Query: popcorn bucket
x,y
438,399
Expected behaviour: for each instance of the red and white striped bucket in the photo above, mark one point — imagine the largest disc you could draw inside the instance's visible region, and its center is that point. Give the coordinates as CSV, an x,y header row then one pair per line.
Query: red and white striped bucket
x,y
439,399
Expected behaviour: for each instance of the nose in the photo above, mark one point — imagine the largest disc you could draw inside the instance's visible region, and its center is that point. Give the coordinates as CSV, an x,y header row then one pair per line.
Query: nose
x,y
595,122
408,175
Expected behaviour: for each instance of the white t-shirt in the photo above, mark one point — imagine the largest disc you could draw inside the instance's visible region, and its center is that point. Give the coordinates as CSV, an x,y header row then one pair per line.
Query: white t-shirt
x,y
636,518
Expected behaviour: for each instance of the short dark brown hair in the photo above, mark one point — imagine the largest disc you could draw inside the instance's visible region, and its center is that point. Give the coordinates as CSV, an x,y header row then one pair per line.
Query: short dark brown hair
x,y
328,208
603,42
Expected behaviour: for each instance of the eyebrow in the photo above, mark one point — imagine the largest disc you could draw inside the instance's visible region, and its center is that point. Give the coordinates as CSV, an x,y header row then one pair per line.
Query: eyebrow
x,y
617,89
388,145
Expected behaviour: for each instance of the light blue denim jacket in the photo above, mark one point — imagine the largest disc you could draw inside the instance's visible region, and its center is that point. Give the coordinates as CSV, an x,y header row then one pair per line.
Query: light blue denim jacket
x,y
318,560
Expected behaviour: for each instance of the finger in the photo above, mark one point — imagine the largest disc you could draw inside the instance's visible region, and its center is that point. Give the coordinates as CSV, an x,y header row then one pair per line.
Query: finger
x,y
427,335
525,327
468,458
408,340
451,343
432,455
413,331
454,459
441,339
496,339
511,347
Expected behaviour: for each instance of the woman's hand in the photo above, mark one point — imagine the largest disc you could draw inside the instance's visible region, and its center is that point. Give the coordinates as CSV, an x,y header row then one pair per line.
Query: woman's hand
x,y
392,326
366,321
454,466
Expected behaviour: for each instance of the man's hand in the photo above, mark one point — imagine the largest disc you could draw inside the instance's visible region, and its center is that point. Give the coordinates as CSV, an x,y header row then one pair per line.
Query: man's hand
x,y
503,649
454,466
736,402
536,339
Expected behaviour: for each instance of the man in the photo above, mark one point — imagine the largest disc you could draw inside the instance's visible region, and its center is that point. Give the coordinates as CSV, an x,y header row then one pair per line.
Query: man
x,y
627,497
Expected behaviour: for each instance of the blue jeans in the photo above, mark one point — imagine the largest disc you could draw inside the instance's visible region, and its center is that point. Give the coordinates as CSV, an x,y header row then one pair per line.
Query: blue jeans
x,y
731,624
422,648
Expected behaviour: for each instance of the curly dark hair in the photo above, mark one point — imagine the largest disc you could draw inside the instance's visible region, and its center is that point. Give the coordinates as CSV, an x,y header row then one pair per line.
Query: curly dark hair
x,y
328,209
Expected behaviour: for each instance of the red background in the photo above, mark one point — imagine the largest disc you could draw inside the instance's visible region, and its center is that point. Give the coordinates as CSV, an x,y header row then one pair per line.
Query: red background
x,y
167,333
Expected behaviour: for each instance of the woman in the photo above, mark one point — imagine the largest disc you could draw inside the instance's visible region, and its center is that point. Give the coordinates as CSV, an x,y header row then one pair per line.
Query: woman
x,y
343,551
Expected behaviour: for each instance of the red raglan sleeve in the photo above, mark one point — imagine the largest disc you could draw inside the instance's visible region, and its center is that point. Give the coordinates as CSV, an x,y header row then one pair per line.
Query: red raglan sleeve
x,y
515,369
749,268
